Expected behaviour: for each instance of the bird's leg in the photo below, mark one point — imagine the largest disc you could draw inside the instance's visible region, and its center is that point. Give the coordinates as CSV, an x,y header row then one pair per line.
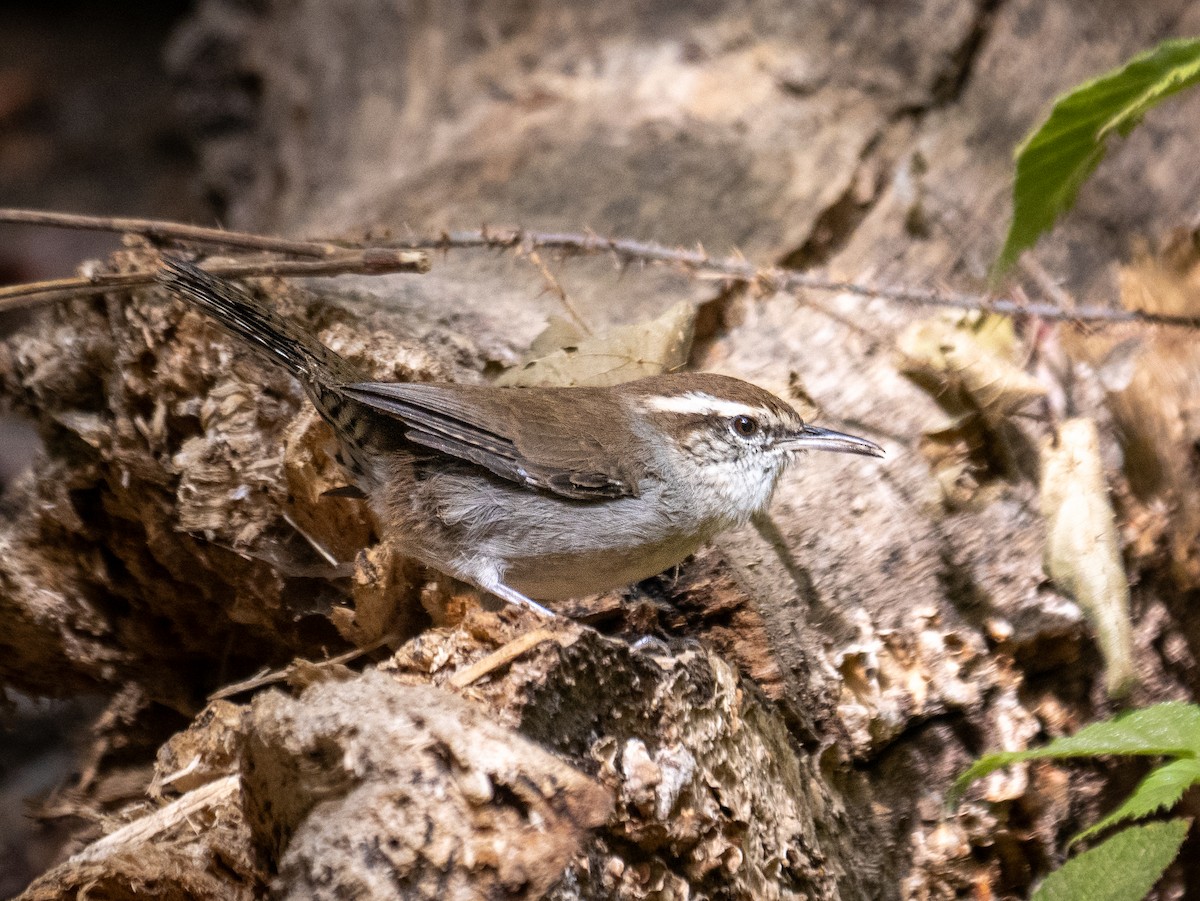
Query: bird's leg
x,y
512,596
486,575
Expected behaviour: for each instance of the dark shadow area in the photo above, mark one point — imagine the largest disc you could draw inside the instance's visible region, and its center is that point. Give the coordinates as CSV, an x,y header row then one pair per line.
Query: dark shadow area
x,y
87,125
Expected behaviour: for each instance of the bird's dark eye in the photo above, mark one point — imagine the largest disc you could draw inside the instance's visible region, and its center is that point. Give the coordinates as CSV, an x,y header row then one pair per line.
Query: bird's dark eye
x,y
745,426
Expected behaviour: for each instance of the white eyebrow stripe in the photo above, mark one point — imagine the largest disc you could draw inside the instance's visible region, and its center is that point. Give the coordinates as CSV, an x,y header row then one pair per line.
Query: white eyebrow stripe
x,y
701,404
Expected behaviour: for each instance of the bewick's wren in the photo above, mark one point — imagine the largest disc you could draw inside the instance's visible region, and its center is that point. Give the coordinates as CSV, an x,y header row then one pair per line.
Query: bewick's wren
x,y
547,493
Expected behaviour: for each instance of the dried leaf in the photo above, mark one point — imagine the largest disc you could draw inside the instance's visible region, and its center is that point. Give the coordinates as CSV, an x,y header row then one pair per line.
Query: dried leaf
x,y
1150,377
955,456
1158,410
621,354
1082,554
1119,365
966,364
560,332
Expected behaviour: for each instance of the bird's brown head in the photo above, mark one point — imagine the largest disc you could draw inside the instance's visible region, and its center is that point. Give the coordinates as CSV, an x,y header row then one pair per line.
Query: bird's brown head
x,y
730,439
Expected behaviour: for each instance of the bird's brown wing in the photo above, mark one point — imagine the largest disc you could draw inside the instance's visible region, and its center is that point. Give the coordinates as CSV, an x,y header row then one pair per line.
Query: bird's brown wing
x,y
527,435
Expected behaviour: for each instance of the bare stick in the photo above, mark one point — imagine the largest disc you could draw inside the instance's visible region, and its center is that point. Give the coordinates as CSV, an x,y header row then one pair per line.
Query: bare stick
x,y
1045,282
559,291
735,269
372,261
147,828
507,654
267,677
158,230
738,269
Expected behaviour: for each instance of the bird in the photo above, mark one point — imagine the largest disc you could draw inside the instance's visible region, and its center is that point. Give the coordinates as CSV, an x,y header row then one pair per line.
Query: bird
x,y
536,494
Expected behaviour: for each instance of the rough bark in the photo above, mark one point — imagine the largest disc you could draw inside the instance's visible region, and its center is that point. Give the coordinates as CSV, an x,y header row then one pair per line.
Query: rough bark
x,y
822,685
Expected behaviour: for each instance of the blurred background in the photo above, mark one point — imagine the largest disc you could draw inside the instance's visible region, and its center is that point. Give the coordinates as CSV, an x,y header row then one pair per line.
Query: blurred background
x,y
86,125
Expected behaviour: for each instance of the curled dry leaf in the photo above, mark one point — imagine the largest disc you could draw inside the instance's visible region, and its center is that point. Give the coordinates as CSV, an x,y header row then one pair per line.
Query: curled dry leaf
x,y
1082,554
562,356
966,363
1152,380
958,460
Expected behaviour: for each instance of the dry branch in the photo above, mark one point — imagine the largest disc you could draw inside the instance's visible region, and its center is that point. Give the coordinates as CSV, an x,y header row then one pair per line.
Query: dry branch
x,y
340,259
369,261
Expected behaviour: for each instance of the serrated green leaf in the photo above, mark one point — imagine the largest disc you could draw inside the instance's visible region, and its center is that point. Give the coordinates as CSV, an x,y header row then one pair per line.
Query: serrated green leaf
x,y
1123,868
1056,159
1160,790
1170,730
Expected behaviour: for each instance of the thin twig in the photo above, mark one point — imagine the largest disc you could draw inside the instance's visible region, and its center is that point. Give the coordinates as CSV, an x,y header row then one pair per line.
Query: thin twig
x,y
146,829
738,269
371,261
733,268
506,654
1046,283
559,291
158,230
269,677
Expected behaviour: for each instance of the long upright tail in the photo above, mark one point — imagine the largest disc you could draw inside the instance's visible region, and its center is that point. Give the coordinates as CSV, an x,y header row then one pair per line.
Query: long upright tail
x,y
320,370
276,339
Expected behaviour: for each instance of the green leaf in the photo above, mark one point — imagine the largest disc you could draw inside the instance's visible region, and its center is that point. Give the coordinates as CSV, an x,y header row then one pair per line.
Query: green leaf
x,y
1056,159
1171,730
1161,789
1123,868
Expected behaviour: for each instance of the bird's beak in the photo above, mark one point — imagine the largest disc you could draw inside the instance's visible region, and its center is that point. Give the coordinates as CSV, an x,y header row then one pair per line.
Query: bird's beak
x,y
813,438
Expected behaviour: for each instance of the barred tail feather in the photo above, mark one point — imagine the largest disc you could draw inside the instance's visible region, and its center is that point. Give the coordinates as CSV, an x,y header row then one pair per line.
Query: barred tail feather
x,y
246,317
323,372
